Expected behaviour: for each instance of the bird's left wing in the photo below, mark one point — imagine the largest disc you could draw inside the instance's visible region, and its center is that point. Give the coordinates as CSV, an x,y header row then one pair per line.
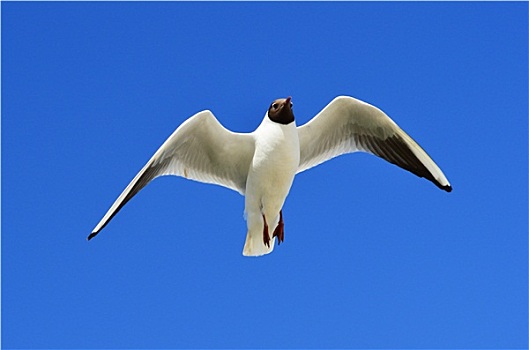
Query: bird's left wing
x,y
200,149
349,125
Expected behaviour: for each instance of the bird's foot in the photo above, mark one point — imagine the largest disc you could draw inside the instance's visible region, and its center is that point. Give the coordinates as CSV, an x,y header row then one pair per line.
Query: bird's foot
x,y
266,235
279,232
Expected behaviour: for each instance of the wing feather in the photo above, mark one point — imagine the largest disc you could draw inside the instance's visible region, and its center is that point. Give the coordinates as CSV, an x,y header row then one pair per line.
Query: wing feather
x,y
200,149
349,125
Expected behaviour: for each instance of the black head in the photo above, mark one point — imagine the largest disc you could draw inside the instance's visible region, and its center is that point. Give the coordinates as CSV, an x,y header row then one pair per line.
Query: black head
x,y
280,111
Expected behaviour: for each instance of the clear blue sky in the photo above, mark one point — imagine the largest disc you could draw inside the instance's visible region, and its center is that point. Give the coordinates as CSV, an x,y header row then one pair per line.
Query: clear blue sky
x,y
373,257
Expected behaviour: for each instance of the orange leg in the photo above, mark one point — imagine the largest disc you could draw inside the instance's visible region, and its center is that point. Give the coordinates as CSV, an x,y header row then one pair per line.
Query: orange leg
x,y
279,232
266,235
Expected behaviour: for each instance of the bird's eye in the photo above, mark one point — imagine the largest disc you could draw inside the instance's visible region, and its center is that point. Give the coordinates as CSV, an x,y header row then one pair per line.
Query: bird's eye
x,y
291,104
274,105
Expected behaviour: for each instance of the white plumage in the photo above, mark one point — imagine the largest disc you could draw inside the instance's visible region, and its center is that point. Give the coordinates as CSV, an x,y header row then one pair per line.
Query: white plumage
x,y
262,165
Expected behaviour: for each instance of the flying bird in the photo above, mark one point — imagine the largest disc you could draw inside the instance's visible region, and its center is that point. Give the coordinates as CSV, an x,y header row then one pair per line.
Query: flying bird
x,y
261,165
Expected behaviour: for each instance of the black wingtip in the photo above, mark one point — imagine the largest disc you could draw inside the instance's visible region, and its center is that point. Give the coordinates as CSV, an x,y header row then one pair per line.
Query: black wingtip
x,y
447,188
92,235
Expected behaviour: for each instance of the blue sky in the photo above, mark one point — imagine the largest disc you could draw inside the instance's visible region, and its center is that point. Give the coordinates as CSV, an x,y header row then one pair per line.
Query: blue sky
x,y
373,257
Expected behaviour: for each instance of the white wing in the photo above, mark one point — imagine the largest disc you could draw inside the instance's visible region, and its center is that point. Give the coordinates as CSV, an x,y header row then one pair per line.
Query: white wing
x,y
200,149
349,125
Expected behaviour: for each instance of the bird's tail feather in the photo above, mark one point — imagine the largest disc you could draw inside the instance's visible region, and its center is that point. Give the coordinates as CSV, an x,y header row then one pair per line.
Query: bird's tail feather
x,y
254,245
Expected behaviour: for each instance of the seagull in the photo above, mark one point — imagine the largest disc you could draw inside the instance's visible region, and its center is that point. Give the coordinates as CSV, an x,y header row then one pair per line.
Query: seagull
x,y
261,165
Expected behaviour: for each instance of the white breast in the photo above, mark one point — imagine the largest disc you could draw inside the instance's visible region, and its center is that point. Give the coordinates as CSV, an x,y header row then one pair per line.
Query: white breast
x,y
274,166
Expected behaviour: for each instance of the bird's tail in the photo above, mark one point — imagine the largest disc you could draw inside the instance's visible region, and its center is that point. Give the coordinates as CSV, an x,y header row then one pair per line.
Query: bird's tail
x,y
254,245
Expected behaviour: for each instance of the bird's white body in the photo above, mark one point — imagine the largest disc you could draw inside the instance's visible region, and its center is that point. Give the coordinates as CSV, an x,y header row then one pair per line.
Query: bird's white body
x,y
262,165
272,170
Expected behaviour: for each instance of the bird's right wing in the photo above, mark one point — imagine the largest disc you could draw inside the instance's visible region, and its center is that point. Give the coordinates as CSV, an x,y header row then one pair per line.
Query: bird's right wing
x,y
200,149
349,125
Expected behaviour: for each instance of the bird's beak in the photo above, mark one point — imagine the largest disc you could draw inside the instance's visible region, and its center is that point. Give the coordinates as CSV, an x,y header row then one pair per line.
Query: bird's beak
x,y
288,101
